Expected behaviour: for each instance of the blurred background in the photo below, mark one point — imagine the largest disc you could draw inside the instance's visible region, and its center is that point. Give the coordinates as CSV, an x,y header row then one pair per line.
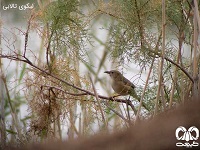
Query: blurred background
x,y
46,42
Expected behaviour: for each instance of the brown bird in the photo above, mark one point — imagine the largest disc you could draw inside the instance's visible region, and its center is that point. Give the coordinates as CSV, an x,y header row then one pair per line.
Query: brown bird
x,y
122,85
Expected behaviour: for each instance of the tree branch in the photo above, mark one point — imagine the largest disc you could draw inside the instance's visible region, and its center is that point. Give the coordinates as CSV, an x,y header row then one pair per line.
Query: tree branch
x,y
85,92
174,63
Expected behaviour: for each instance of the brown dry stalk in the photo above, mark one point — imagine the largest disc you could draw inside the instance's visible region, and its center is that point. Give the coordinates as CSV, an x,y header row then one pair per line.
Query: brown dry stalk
x,y
118,114
143,92
176,70
162,57
195,66
97,98
13,112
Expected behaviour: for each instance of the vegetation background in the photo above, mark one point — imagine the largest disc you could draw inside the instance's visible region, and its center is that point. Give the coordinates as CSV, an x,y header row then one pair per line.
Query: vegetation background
x,y
53,56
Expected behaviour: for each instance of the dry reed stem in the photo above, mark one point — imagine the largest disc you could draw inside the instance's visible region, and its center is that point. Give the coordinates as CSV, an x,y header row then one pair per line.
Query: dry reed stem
x,y
160,84
143,92
195,43
99,104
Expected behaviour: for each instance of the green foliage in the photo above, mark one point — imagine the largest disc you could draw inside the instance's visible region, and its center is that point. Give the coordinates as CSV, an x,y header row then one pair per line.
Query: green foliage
x,y
62,19
132,33
59,95
59,14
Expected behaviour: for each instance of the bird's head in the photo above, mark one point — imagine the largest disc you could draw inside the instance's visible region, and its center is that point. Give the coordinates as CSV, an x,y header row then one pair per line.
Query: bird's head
x,y
114,74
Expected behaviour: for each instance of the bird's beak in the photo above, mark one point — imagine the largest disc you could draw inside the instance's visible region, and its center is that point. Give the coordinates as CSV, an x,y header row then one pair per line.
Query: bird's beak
x,y
108,72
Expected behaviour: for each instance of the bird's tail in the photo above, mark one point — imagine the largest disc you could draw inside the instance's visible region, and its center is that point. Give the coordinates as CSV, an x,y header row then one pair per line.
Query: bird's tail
x,y
134,95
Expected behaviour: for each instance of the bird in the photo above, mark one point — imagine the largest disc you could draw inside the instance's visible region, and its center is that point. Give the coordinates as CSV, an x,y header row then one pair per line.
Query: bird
x,y
122,85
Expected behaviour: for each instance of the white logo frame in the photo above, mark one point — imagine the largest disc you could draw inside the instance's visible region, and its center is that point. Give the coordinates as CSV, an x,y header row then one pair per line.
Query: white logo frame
x,y
187,136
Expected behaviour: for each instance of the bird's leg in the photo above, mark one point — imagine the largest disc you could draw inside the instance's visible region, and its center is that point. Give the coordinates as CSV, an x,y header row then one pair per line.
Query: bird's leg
x,y
115,95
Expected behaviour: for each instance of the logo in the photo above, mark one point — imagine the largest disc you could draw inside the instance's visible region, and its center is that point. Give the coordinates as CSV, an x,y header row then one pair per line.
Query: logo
x,y
192,134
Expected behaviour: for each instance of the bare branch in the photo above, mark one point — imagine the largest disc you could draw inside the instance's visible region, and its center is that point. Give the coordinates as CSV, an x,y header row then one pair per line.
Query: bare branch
x,y
26,36
85,92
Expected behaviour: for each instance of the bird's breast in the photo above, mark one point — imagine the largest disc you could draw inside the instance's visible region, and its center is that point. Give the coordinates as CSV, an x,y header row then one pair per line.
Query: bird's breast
x,y
120,88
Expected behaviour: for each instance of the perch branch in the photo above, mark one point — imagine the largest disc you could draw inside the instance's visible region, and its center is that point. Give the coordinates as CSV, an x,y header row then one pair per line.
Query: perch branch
x,y
85,92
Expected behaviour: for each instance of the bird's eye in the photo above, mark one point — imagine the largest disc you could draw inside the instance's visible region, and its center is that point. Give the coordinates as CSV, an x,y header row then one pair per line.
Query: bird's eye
x,y
111,71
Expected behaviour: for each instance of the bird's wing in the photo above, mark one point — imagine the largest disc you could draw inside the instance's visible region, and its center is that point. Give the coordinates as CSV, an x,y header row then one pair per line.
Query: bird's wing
x,y
129,83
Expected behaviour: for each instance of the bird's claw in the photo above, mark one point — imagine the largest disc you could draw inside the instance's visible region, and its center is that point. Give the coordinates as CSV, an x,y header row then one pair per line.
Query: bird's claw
x,y
114,96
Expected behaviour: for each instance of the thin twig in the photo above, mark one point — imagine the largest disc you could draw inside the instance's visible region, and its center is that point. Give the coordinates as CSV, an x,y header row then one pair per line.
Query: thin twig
x,y
129,118
132,106
26,36
176,69
195,43
141,28
163,98
13,111
48,48
97,98
181,68
142,96
162,57
122,117
196,13
157,54
147,80
20,58
68,93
